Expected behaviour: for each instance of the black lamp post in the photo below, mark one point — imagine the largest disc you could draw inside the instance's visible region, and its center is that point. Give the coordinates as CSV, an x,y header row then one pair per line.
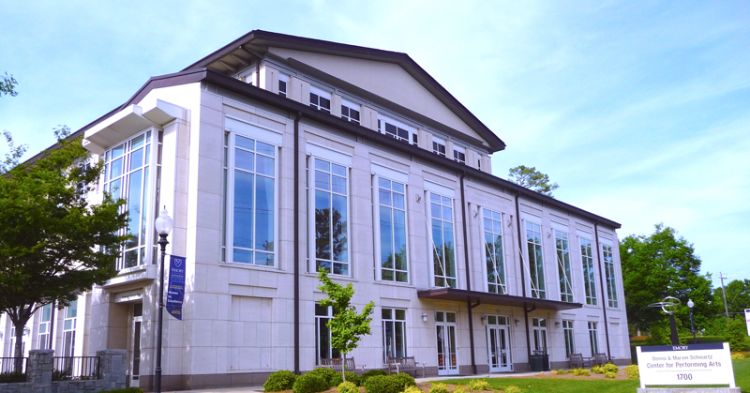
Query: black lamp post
x,y
690,305
163,226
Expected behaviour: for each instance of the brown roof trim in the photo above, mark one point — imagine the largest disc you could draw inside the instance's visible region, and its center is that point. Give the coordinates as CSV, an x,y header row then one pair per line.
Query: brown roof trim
x,y
476,297
265,38
267,97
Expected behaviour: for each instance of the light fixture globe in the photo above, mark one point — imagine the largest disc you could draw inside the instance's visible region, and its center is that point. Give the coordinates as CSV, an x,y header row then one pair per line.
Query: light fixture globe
x,y
163,223
690,303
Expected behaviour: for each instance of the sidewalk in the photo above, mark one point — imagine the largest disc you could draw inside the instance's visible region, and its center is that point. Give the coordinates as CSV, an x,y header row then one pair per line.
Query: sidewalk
x,y
259,389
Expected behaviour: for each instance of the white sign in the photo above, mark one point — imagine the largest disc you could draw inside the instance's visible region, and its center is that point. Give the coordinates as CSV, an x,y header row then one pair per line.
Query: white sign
x,y
693,364
747,319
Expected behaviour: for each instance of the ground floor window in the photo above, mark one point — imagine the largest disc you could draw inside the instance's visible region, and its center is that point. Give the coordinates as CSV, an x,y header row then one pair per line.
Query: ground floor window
x,y
394,333
323,348
570,346
593,338
539,331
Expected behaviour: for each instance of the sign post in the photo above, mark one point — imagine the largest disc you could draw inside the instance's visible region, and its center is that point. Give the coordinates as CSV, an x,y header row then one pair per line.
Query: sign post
x,y
176,288
693,364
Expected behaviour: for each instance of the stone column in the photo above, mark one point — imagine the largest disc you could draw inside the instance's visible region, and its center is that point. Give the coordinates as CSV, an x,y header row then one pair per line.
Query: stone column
x,y
112,368
39,369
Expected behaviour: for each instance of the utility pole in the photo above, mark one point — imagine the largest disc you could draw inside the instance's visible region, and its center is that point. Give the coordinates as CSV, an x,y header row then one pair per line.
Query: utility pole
x,y
724,294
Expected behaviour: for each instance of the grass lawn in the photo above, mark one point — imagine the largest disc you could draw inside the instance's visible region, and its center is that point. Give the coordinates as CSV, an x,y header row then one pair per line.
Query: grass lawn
x,y
586,385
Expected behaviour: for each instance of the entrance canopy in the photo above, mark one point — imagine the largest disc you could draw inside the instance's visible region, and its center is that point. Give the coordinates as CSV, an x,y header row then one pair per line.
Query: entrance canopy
x,y
478,298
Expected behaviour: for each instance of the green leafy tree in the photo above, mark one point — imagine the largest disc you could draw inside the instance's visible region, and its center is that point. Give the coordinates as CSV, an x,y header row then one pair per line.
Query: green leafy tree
x,y
659,265
8,85
532,179
738,297
14,154
346,326
53,243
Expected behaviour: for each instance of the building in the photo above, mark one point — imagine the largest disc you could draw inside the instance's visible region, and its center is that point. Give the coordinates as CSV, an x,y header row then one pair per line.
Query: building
x,y
280,155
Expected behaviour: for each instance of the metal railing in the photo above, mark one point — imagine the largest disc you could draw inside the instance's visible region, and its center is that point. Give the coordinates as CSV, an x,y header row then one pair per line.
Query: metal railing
x,y
75,367
13,369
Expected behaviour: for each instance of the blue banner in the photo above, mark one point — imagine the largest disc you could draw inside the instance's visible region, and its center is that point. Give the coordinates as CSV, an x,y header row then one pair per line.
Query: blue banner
x,y
176,288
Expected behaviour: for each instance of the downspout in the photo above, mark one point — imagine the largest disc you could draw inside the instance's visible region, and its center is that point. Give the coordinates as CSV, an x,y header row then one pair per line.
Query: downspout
x,y
296,218
523,279
601,281
469,305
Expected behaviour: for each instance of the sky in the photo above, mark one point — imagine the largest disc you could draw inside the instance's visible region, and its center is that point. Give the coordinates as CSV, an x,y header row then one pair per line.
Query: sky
x,y
640,111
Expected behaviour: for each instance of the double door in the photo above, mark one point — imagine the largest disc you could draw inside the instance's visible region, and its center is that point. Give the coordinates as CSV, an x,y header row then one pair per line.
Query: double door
x,y
445,329
498,344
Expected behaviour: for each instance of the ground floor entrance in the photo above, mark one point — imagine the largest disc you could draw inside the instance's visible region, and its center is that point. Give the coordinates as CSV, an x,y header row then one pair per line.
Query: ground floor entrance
x,y
498,344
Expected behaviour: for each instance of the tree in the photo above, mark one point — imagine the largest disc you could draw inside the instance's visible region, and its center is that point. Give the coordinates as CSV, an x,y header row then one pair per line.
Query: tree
x,y
532,179
8,85
53,243
14,154
738,297
661,265
346,325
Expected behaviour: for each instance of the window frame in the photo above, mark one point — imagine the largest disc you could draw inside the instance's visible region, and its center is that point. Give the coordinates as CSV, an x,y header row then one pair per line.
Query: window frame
x,y
384,121
282,78
320,93
495,217
323,319
539,335
609,275
377,204
593,329
236,128
397,324
431,243
331,159
459,150
437,143
568,326
43,327
587,262
540,292
351,106
564,268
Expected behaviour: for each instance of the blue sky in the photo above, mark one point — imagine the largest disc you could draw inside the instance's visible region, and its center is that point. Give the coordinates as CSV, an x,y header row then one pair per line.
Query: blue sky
x,y
640,111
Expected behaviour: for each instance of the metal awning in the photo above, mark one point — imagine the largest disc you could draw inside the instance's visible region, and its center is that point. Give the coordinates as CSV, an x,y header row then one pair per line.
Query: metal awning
x,y
478,298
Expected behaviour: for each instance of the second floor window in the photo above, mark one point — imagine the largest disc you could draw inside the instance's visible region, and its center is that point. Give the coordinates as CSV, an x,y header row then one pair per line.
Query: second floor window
x,y
320,100
609,270
331,218
493,251
536,260
438,146
563,266
392,223
250,178
587,264
127,171
443,246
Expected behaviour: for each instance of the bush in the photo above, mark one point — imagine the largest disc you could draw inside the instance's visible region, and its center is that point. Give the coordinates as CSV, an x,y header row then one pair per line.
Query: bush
x,y
384,384
412,389
581,372
124,390
279,380
370,373
610,368
479,384
328,375
310,383
347,387
610,374
438,388
512,389
404,380
459,389
597,370
12,377
350,377
632,371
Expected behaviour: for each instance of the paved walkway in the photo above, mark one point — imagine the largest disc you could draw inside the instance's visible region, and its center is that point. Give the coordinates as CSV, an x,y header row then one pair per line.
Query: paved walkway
x,y
259,389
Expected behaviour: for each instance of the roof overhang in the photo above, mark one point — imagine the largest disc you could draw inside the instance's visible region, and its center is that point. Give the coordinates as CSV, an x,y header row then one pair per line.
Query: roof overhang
x,y
477,298
127,122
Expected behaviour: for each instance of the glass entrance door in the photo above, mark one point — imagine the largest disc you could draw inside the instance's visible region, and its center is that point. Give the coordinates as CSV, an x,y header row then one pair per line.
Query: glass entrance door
x,y
135,345
498,344
445,328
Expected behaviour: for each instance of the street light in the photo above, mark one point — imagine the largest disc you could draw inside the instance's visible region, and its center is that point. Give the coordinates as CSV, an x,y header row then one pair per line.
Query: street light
x,y
163,225
690,305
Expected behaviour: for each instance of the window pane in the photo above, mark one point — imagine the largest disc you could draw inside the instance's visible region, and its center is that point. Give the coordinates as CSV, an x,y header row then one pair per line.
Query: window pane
x,y
244,159
264,231
243,209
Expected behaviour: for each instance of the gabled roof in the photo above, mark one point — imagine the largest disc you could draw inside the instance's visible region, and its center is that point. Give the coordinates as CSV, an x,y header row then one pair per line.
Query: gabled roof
x,y
239,53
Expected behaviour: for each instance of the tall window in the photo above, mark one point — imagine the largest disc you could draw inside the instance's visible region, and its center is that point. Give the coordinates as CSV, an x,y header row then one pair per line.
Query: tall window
x,y
320,100
570,346
44,327
438,146
536,261
539,331
609,270
69,328
350,111
443,250
563,266
394,332
593,338
250,171
587,262
331,217
459,154
126,176
323,348
493,251
392,212
282,86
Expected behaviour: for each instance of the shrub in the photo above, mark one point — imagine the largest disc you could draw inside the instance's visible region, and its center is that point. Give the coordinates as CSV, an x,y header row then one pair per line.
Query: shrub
x,y
459,389
279,380
404,380
124,390
438,388
351,376
370,373
512,389
610,368
632,371
739,355
310,383
581,372
383,384
610,374
347,387
12,377
412,389
479,384
597,370
328,375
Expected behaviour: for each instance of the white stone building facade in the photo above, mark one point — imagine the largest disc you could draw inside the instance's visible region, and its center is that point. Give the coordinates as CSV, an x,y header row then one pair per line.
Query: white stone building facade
x,y
278,155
